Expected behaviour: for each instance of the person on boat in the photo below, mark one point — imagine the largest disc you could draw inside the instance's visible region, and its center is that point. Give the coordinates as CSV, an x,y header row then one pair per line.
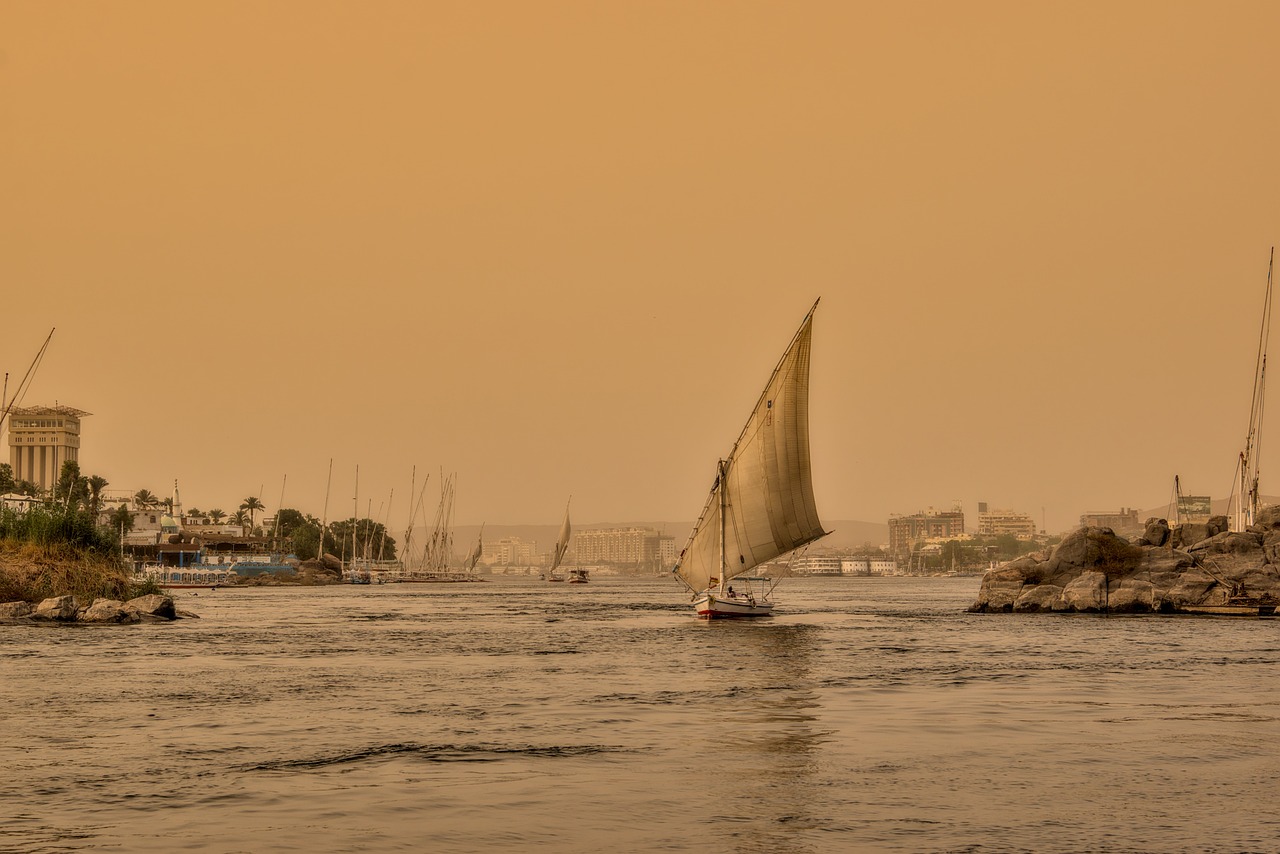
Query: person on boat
x,y
731,593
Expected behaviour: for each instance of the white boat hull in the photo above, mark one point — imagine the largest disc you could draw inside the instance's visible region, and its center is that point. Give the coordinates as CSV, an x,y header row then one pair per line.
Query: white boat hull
x,y
712,604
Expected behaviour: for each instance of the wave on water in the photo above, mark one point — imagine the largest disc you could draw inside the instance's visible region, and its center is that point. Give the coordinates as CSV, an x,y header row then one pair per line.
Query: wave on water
x,y
436,753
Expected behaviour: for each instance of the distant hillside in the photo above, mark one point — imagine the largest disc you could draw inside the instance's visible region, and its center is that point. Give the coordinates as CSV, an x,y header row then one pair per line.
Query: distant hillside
x,y
844,533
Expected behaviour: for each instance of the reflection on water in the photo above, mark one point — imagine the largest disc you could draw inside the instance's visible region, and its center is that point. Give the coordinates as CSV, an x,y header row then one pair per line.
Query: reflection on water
x,y
869,715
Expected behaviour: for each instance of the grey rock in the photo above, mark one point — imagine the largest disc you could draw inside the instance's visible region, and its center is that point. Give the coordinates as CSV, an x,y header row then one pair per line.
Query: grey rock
x,y
108,611
1129,596
1088,592
1039,597
59,608
1189,533
153,605
1218,525
15,610
1156,532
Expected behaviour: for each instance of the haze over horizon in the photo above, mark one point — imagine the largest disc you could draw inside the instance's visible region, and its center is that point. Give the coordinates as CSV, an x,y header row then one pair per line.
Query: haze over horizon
x,y
556,248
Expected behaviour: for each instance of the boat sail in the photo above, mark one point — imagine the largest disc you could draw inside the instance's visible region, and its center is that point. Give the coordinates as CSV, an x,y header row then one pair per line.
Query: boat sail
x,y
562,547
1245,495
761,504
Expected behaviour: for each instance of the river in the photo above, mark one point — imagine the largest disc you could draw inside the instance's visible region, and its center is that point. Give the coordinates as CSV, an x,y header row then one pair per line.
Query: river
x,y
869,715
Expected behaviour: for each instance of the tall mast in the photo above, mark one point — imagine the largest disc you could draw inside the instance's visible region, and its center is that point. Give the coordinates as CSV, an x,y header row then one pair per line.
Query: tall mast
x,y
1247,506
723,466
324,517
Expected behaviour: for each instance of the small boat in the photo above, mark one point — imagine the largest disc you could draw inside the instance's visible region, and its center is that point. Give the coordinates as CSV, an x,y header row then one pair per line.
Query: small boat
x,y
561,549
761,504
579,576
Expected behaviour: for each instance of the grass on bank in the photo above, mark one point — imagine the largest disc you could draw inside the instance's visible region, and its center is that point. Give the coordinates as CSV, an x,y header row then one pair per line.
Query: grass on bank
x,y
48,552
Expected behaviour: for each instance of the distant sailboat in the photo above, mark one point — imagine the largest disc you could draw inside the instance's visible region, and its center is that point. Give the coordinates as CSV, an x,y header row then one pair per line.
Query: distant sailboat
x,y
761,504
474,557
562,547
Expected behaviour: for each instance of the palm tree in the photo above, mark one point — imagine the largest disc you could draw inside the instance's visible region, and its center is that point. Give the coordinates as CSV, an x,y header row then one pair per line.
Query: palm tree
x,y
240,518
252,504
143,499
97,483
217,515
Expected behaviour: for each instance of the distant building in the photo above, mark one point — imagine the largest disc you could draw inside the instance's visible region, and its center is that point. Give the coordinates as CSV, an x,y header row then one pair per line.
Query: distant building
x,y
41,439
907,531
509,551
16,502
868,566
810,564
1122,521
995,523
631,546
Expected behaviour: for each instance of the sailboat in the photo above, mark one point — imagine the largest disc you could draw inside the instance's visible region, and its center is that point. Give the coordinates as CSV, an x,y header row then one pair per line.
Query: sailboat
x,y
1245,494
562,547
761,504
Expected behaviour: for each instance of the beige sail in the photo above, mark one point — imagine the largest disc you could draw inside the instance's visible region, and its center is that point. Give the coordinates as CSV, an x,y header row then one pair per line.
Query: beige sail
x,y
767,483
562,541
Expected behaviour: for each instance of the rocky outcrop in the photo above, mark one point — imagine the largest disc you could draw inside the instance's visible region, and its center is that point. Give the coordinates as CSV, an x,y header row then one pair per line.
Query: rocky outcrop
x,y
65,609
1094,571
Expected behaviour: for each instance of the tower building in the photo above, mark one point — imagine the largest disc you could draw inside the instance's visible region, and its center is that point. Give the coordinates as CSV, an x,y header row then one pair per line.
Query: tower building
x,y
41,439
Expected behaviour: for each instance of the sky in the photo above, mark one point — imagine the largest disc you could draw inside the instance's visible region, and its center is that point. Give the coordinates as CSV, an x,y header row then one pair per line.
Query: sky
x,y
556,248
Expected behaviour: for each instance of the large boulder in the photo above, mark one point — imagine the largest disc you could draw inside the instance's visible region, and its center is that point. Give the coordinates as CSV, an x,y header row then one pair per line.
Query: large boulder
x,y
1087,592
63,609
14,610
1188,534
1156,532
1267,517
1001,586
108,611
1039,597
1129,595
153,605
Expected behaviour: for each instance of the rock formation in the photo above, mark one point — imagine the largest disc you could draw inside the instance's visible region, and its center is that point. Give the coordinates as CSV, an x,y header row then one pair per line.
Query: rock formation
x,y
66,609
1193,568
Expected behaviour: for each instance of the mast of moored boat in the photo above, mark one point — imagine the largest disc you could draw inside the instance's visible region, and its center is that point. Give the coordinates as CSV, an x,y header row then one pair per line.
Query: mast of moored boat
x,y
324,516
1247,488
724,566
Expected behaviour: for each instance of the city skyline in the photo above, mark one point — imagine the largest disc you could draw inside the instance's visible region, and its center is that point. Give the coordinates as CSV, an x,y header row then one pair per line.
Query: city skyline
x,y
556,250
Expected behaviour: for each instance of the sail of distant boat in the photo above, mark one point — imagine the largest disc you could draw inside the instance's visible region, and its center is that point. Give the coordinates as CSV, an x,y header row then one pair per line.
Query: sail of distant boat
x,y
761,504
561,547
474,557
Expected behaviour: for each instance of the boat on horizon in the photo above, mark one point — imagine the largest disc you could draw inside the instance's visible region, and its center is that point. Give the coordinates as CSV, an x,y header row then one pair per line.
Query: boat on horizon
x,y
761,504
561,548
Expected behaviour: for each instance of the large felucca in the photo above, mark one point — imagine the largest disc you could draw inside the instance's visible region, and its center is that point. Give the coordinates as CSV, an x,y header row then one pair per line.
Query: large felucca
x,y
761,504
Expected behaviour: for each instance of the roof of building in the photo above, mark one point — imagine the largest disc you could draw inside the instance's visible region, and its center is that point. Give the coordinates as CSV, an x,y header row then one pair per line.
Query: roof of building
x,y
48,410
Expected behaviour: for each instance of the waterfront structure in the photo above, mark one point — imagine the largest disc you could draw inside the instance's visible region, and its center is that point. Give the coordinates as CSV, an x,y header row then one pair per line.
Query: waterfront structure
x,y
1124,521
41,439
905,532
995,523
633,546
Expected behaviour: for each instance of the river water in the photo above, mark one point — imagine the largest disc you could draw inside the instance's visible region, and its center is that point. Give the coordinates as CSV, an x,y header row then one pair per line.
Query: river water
x,y
868,715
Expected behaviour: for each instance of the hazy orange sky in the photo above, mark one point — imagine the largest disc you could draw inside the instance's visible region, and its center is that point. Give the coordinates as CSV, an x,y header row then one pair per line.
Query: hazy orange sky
x,y
557,247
